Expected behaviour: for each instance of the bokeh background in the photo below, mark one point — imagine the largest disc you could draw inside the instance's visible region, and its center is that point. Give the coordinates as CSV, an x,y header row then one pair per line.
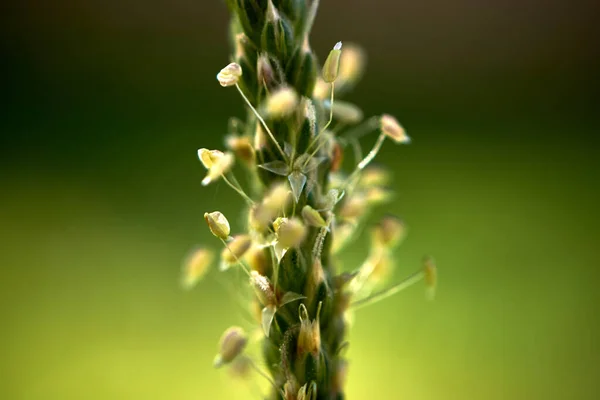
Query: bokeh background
x,y
106,102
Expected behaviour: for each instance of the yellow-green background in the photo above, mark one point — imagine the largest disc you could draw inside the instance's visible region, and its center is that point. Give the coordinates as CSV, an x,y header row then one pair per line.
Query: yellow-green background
x,y
106,102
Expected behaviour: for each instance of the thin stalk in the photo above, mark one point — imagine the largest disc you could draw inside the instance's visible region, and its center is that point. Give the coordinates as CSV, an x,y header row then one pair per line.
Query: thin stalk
x,y
237,189
384,294
244,267
365,161
262,121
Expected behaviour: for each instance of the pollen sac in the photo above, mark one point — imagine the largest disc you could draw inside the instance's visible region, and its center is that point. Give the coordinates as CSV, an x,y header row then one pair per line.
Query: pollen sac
x,y
352,65
392,129
282,102
230,75
196,266
290,231
218,224
216,162
331,67
232,344
235,250
374,176
241,147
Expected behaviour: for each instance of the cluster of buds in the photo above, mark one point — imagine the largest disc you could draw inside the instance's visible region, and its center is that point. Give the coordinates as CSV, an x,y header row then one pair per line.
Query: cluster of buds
x,y
303,204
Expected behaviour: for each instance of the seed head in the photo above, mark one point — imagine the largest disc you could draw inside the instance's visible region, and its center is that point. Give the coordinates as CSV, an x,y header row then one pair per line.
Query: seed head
x,y
196,266
232,344
218,224
392,129
230,75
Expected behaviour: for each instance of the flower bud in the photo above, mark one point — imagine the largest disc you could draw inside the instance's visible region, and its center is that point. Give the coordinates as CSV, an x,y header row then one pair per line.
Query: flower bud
x,y
232,344
281,103
257,260
196,266
331,67
389,232
235,250
430,275
230,75
392,129
290,231
312,217
218,224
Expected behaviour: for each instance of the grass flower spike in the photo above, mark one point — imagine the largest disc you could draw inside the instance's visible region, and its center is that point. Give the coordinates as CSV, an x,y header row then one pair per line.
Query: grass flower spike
x,y
311,192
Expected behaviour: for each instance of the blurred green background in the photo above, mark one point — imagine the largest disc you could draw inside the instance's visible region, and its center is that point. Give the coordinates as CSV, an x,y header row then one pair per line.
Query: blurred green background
x,y
106,102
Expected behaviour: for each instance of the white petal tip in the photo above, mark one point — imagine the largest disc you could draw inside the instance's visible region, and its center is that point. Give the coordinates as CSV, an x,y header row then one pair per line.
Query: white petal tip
x,y
338,46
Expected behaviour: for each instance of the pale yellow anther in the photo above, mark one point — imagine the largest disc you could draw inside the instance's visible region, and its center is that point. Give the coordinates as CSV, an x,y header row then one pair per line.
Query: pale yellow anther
x,y
242,147
230,75
352,64
236,249
392,129
195,266
290,231
389,232
282,102
216,162
232,344
312,217
218,224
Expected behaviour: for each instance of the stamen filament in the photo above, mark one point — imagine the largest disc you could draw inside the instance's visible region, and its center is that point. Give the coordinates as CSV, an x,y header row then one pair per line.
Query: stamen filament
x,y
244,267
316,139
365,161
384,294
237,189
262,121
264,374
